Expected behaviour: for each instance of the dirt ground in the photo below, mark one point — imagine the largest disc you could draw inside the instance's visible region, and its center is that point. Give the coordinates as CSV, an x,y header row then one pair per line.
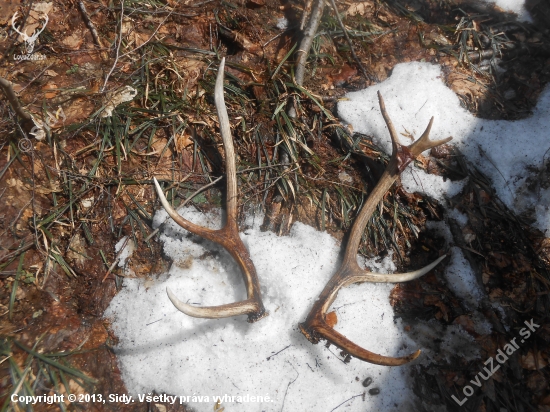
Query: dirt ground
x,y
66,199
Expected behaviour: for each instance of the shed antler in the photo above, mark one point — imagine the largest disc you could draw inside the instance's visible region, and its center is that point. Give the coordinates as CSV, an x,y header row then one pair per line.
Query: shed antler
x,y
228,236
316,327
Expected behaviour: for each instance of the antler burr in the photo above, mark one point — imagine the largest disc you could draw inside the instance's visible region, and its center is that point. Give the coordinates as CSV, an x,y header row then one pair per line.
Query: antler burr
x,y
316,327
228,236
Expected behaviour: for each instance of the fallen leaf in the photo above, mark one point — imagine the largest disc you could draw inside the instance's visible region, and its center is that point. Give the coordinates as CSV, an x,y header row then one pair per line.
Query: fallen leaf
x,y
74,41
7,9
255,3
530,362
50,90
183,141
359,8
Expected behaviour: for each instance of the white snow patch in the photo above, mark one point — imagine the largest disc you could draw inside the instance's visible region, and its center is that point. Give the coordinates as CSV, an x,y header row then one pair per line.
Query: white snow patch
x,y
455,214
164,350
461,279
459,274
515,6
503,150
282,23
417,180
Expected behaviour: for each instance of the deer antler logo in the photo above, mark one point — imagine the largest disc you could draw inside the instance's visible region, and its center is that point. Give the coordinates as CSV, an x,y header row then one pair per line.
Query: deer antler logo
x,y
29,40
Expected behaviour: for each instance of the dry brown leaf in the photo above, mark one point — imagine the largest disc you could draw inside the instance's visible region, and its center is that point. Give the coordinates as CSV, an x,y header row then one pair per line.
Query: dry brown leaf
x,y
74,41
50,90
255,3
360,8
77,250
433,300
531,362
183,141
140,39
7,9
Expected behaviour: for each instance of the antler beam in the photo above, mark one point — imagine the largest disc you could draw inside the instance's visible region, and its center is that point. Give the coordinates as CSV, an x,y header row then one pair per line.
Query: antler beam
x,y
228,236
316,327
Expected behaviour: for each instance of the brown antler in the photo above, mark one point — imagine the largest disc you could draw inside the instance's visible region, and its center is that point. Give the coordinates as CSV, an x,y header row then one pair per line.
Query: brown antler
x,y
315,327
228,236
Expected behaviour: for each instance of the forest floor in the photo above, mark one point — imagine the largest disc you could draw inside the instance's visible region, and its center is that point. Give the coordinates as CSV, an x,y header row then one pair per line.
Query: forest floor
x,y
68,198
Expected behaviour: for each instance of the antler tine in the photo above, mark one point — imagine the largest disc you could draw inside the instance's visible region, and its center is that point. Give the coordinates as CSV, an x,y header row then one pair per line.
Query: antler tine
x,y
389,123
225,131
424,143
315,327
228,236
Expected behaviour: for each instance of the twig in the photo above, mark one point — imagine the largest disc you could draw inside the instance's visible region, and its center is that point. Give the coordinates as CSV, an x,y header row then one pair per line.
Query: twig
x,y
350,44
274,38
303,50
150,37
305,44
90,24
120,56
7,87
36,77
353,397
288,386
119,40
307,9
200,4
275,354
133,10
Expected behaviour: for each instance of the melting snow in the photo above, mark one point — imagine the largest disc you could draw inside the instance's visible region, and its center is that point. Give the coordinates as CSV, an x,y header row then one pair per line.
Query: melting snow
x,y
164,350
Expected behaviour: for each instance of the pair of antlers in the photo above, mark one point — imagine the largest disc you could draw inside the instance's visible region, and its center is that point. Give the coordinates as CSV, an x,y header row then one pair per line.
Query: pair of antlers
x,y
315,327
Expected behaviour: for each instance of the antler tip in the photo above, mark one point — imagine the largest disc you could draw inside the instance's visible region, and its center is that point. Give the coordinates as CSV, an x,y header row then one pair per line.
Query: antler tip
x,y
158,189
413,356
182,307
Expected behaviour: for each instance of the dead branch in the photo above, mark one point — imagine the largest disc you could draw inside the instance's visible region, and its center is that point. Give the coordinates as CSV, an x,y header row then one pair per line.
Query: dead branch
x,y
90,24
305,44
7,87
